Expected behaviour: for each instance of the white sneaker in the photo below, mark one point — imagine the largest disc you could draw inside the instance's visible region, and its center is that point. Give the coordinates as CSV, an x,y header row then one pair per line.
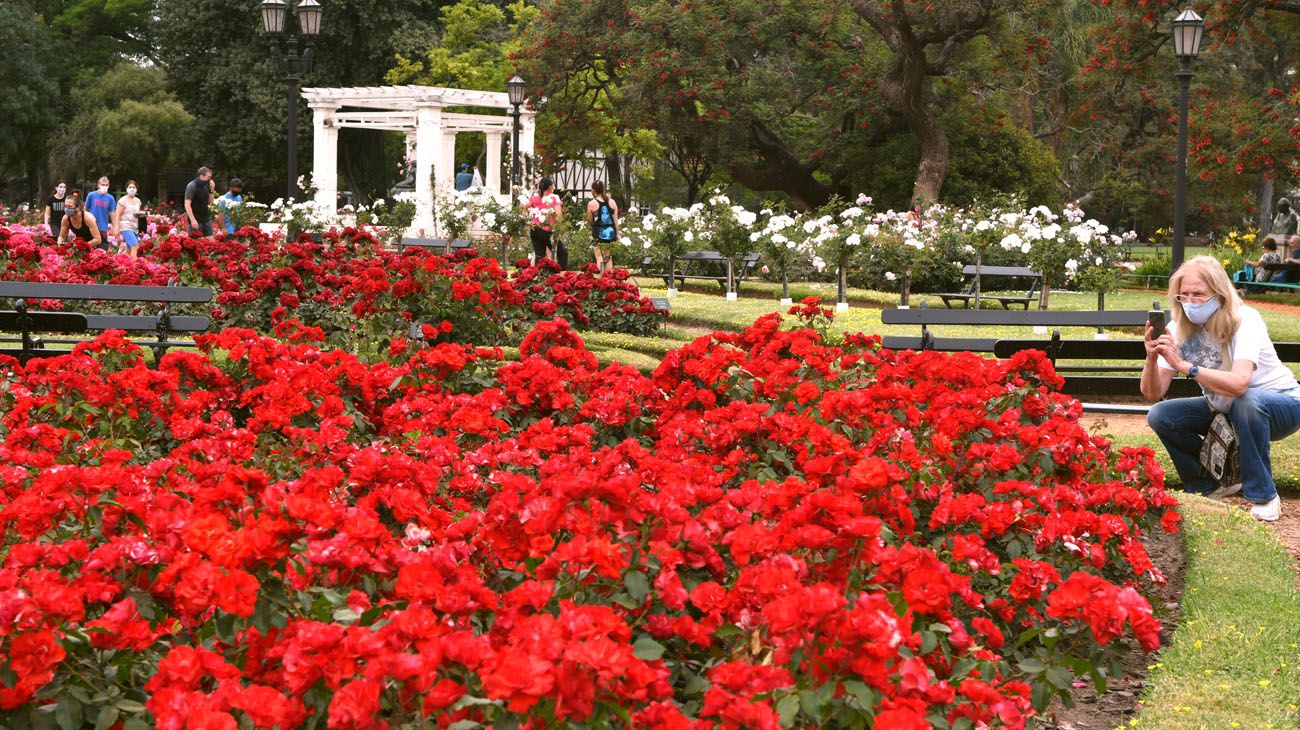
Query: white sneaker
x,y
1225,491
1268,512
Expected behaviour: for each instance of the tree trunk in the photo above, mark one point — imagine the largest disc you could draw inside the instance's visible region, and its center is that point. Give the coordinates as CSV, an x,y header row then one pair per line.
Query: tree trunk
x,y
1264,201
906,83
777,167
1043,294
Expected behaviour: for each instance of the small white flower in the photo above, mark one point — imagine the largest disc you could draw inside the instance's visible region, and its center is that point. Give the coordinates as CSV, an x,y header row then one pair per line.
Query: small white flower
x,y
891,276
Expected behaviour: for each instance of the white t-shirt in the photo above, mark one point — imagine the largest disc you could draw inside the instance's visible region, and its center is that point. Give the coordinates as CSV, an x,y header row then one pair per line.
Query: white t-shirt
x,y
1251,342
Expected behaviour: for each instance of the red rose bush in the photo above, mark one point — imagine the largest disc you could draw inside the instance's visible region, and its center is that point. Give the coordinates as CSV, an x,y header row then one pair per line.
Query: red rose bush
x,y
359,294
768,531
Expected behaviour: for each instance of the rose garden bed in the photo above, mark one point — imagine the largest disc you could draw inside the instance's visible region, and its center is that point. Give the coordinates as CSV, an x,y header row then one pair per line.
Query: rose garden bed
x,y
767,531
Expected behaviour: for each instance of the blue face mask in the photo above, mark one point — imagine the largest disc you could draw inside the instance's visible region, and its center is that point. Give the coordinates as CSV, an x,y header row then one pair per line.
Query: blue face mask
x,y
1199,314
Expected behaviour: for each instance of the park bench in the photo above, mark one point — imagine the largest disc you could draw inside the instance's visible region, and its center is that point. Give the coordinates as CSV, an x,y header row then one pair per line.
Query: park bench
x,y
1081,381
1028,279
29,323
1087,380
434,243
1131,351
1271,286
705,265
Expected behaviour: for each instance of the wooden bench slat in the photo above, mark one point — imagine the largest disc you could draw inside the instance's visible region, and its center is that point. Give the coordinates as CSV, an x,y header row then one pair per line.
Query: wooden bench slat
x,y
105,292
128,323
1114,385
940,344
1034,317
1022,271
434,243
62,322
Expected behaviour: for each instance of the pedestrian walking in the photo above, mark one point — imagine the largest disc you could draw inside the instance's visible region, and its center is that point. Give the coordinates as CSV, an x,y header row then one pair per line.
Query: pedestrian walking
x,y
126,219
54,208
101,204
198,196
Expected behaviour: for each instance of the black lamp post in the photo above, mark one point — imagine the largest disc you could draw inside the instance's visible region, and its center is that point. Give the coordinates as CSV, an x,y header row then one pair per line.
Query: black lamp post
x,y
515,91
292,64
1188,28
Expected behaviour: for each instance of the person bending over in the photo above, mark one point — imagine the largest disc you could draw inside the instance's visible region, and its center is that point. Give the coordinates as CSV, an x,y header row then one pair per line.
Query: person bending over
x,y
1222,344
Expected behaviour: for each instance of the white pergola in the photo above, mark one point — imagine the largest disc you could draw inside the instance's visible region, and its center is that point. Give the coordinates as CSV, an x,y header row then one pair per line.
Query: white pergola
x,y
420,113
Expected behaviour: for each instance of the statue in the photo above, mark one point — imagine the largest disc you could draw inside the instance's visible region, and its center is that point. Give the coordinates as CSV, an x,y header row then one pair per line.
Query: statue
x,y
1284,223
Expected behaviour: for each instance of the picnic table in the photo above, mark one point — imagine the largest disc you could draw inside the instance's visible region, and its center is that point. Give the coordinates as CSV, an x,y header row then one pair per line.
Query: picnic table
x,y
1028,279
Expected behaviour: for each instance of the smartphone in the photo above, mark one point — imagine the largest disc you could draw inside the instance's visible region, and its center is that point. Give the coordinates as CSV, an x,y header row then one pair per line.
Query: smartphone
x,y
1156,318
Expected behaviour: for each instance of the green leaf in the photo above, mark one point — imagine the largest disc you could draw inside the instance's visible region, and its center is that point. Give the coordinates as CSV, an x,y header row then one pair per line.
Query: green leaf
x,y
929,640
1041,696
1032,666
865,697
637,584
788,708
1059,677
107,718
136,723
68,713
131,706
647,648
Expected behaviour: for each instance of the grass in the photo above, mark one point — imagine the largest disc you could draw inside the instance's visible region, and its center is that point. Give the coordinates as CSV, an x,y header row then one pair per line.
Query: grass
x,y
1234,660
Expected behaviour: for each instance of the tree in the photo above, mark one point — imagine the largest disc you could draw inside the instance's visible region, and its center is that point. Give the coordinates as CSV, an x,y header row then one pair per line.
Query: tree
x,y
216,55
472,50
777,95
29,106
124,123
103,32
1242,109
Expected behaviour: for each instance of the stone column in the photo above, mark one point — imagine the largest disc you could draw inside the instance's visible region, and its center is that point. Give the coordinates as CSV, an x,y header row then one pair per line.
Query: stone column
x,y
325,149
446,162
492,180
428,133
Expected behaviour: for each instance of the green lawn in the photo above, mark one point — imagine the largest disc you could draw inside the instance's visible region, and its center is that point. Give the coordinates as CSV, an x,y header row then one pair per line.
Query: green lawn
x,y
1234,660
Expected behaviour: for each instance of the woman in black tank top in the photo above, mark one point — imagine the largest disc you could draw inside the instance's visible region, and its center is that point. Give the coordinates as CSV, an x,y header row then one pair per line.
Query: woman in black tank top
x,y
80,225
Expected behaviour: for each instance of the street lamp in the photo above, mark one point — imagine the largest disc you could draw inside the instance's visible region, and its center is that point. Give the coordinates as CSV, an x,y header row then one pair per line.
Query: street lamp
x,y
515,91
1187,29
292,64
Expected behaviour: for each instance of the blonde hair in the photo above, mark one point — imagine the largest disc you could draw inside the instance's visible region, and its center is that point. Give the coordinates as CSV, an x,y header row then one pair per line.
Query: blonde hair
x,y
1223,324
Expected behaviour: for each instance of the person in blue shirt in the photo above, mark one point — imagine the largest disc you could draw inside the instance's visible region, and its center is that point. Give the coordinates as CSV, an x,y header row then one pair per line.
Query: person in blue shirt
x,y
232,198
464,178
101,205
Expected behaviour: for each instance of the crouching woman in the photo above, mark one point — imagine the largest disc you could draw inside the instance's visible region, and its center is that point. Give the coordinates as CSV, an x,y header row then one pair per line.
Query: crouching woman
x,y
1222,344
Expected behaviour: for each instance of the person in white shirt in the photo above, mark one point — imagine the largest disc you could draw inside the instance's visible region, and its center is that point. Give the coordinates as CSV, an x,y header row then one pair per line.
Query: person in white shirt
x,y
1222,344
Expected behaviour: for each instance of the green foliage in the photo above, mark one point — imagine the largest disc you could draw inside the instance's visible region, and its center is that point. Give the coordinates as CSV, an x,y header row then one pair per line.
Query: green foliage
x,y
126,123
216,56
29,106
992,155
103,32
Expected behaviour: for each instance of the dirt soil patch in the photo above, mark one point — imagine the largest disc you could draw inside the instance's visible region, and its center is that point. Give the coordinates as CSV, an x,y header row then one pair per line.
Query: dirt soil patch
x,y
1092,711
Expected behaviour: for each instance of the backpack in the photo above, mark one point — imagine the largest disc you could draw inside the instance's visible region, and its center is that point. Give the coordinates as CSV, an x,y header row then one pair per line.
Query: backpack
x,y
602,222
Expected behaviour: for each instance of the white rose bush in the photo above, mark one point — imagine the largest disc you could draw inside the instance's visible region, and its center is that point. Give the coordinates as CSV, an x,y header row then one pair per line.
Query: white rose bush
x,y
896,247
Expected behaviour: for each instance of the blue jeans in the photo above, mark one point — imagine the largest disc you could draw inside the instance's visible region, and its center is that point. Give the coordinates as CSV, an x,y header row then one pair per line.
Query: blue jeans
x,y
1260,416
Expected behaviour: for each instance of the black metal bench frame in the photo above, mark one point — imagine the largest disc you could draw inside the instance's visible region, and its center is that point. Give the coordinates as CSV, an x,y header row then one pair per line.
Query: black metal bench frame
x,y
163,325
977,274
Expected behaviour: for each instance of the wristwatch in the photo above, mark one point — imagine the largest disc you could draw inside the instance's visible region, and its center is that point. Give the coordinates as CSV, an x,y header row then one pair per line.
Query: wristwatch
x,y
1193,372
